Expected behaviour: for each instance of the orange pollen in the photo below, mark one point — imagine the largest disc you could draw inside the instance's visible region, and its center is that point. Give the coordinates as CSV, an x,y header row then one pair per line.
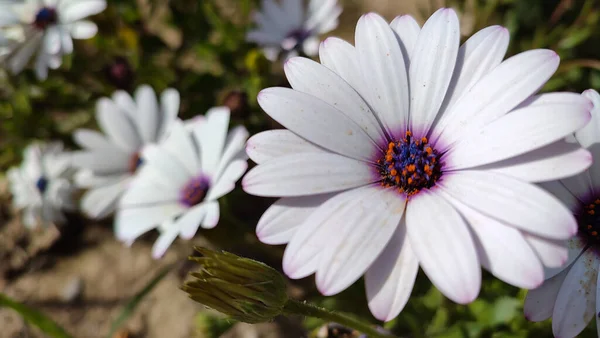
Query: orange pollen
x,y
591,212
594,233
589,226
597,201
412,168
424,139
393,172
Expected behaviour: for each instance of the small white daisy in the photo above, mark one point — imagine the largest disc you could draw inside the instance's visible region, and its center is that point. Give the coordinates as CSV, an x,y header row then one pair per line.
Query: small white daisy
x,y
569,295
49,24
291,27
409,151
108,159
176,190
41,185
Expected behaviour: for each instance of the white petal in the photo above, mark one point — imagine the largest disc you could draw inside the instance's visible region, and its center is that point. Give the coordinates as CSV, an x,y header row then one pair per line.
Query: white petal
x,y
280,221
390,279
141,193
294,10
540,302
555,254
317,122
383,72
563,194
576,301
502,250
85,178
522,205
594,170
432,66
440,239
533,127
312,78
481,53
73,11
52,40
211,136
190,221
212,215
100,202
226,183
340,56
590,134
407,31
147,118
164,241
83,29
310,46
116,124
273,144
130,223
17,62
362,232
555,161
180,144
307,174
91,139
102,161
125,102
169,106
167,164
234,150
301,256
496,94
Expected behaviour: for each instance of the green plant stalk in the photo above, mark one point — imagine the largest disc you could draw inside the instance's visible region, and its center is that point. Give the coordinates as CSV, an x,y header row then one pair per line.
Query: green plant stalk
x,y
293,307
32,316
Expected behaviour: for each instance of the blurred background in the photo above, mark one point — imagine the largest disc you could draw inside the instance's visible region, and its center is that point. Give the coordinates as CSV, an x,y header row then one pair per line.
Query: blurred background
x,y
83,278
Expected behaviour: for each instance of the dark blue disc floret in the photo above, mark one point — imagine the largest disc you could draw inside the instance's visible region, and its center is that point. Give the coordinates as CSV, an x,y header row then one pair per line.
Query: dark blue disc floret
x,y
410,165
45,17
194,191
41,184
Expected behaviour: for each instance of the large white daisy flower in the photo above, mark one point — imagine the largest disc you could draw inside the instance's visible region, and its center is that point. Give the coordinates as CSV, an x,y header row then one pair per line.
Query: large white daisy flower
x,y
569,295
108,160
41,185
291,27
47,25
409,151
177,188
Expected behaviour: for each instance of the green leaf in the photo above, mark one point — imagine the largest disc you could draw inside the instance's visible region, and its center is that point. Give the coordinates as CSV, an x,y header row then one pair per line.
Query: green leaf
x,y
47,325
135,301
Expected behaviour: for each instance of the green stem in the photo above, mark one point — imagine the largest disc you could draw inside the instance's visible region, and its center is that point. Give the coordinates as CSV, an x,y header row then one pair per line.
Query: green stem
x,y
305,309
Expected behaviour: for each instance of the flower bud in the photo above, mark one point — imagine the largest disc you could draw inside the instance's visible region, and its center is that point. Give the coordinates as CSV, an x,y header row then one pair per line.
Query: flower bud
x,y
244,289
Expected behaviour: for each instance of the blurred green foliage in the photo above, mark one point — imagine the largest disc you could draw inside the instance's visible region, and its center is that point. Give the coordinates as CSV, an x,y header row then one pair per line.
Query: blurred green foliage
x,y
198,48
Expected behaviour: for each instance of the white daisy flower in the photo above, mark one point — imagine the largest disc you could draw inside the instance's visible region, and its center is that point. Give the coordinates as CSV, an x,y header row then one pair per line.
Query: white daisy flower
x,y
569,294
291,27
409,151
176,190
40,185
47,25
109,159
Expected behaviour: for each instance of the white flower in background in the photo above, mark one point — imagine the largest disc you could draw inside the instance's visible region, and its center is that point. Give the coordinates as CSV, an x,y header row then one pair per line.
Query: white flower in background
x,y
109,159
48,27
409,151
41,185
176,190
292,27
569,295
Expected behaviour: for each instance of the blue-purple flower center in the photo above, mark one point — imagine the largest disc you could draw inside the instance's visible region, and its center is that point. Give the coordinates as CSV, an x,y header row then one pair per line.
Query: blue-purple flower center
x,y
41,184
297,37
45,17
589,223
410,165
194,191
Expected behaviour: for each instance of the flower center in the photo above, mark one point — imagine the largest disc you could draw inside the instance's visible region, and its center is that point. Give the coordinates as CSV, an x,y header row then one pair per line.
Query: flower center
x,y
45,17
134,162
295,38
589,223
194,191
41,184
410,165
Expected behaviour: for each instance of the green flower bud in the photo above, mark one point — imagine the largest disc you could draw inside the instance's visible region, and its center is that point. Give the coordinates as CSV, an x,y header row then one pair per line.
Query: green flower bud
x,y
242,288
